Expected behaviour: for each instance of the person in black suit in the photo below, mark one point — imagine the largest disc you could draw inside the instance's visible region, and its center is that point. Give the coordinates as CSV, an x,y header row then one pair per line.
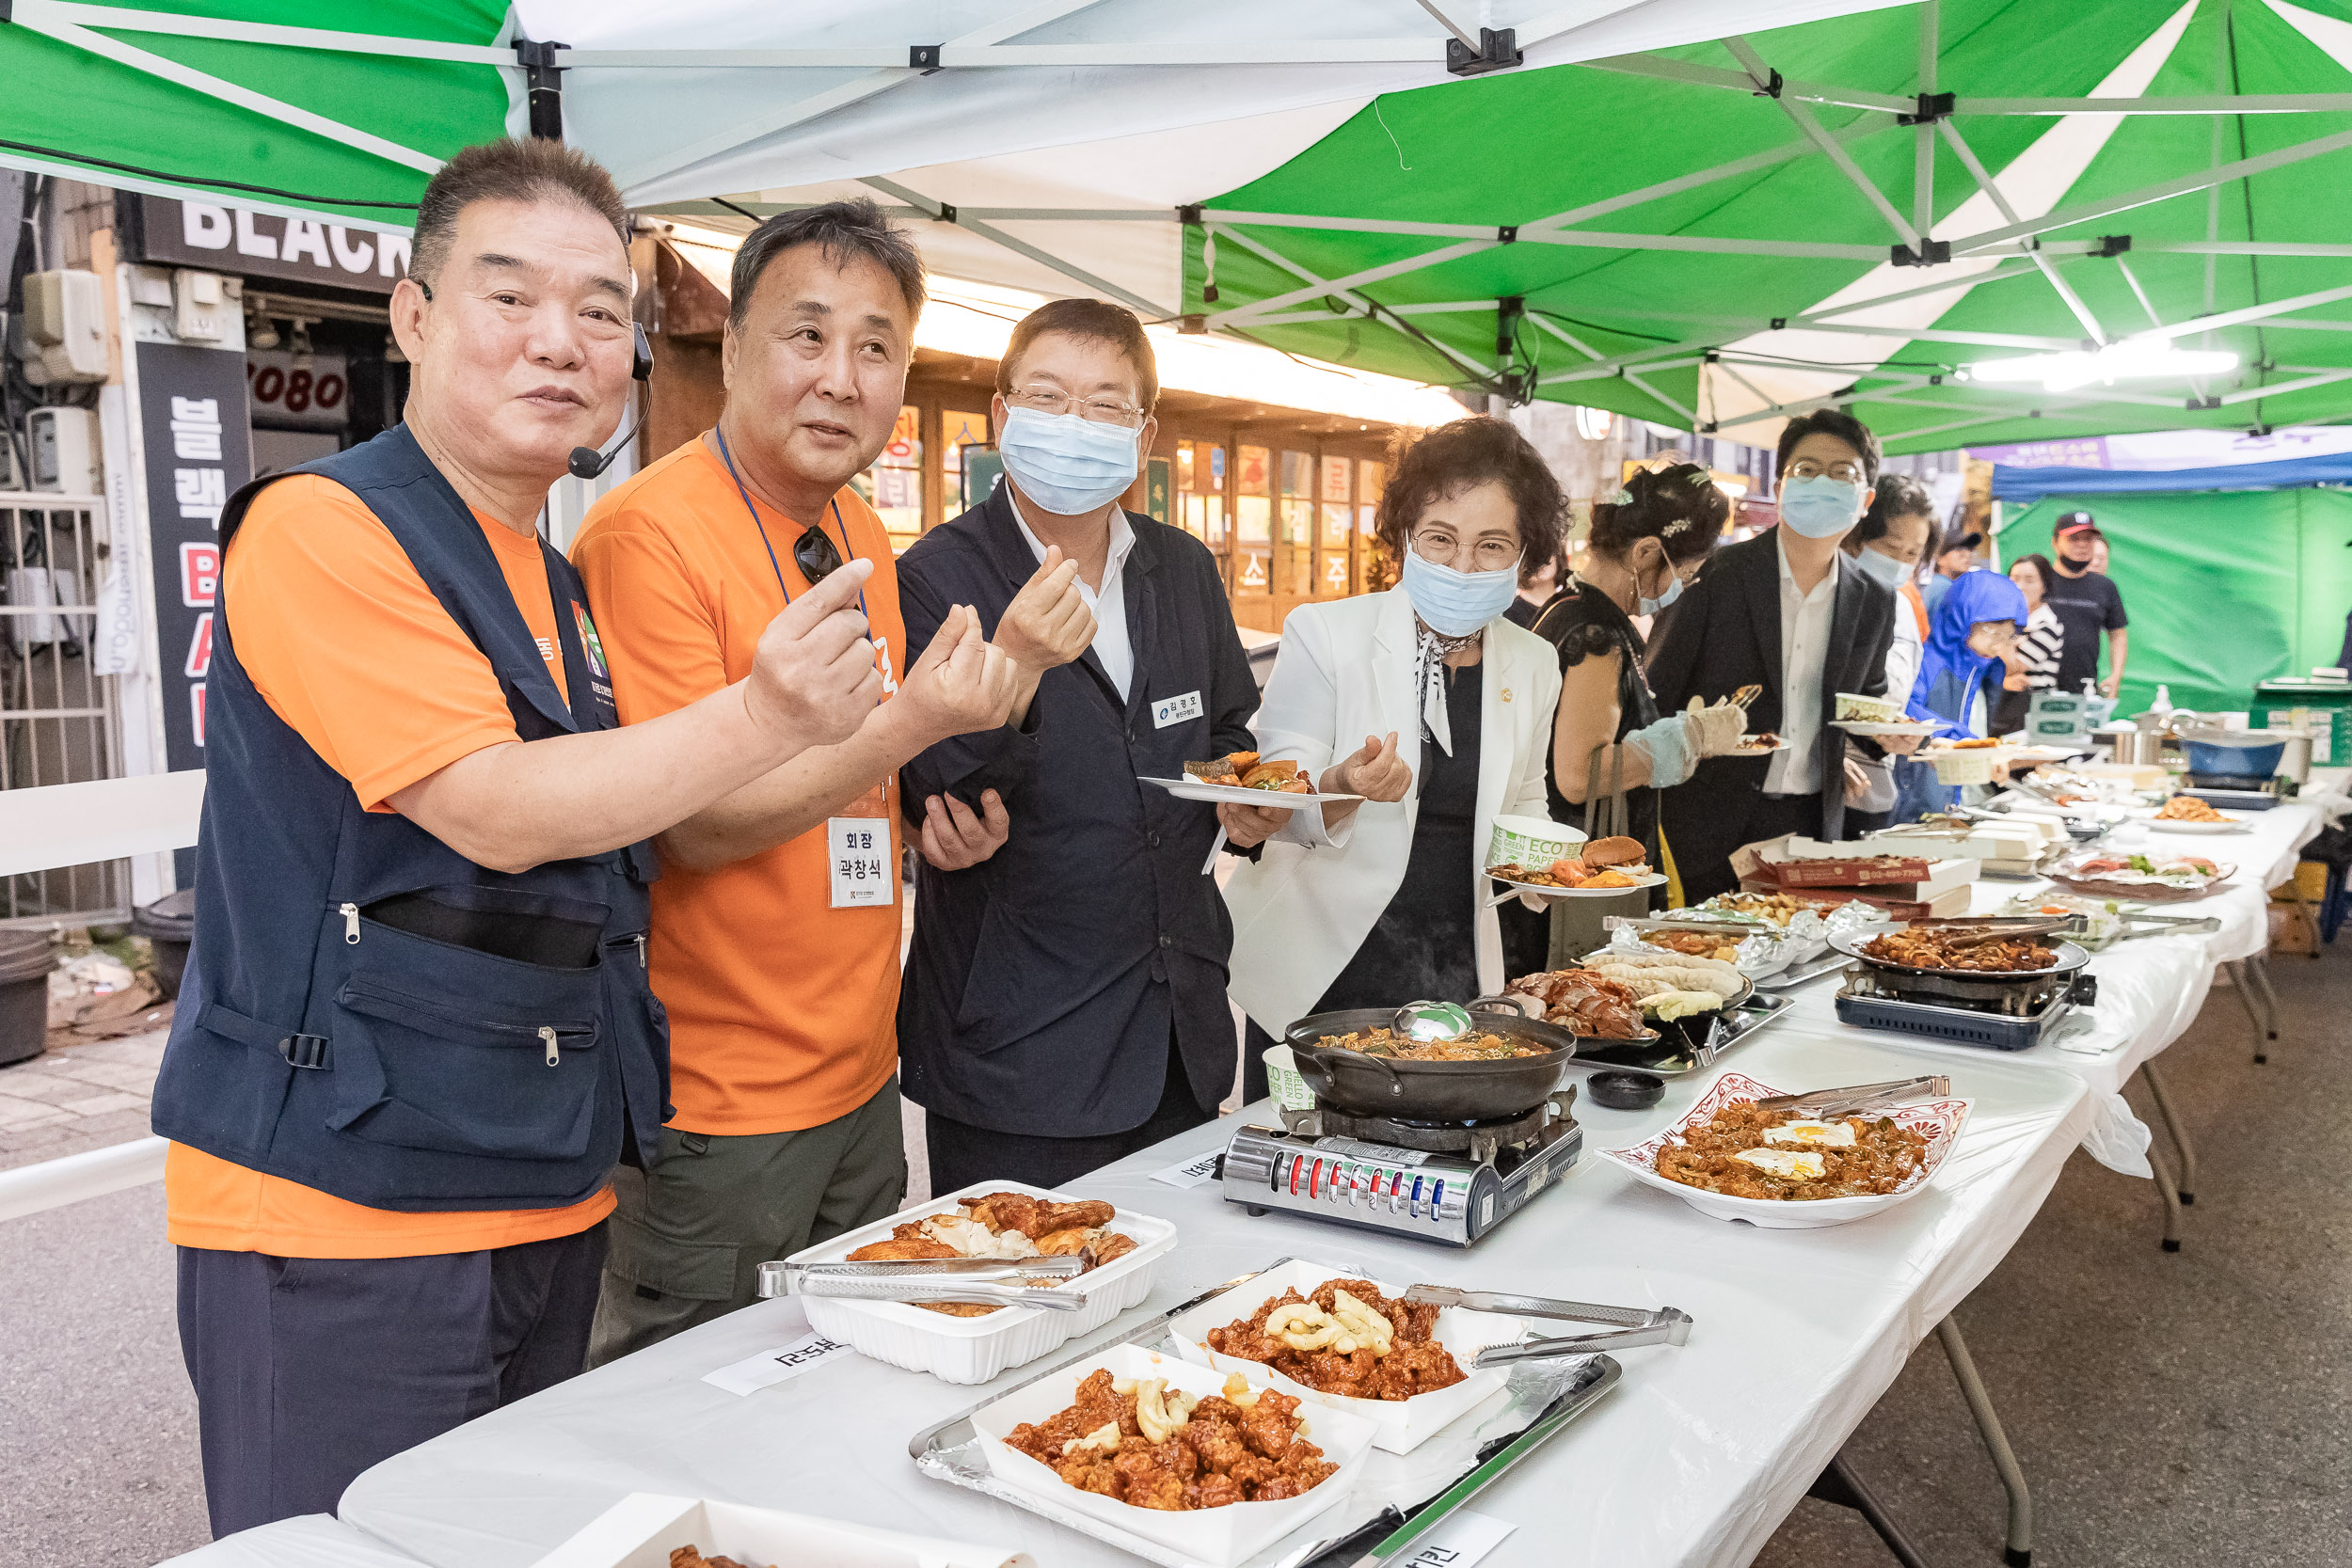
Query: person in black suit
x,y
1784,611
1064,999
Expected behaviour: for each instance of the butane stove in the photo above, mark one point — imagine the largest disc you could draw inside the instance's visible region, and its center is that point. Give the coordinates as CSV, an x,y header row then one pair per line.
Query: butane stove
x,y
1450,1183
2233,791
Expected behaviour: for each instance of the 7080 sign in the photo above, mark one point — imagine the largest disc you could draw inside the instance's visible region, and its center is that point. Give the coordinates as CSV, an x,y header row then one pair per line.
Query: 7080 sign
x,y
315,393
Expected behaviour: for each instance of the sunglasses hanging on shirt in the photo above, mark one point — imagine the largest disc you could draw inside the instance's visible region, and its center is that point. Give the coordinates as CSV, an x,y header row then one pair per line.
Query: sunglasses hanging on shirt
x,y
814,553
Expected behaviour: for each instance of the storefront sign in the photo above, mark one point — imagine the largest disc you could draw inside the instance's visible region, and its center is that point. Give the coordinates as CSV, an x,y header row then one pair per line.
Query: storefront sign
x,y
197,455
259,245
1156,488
311,392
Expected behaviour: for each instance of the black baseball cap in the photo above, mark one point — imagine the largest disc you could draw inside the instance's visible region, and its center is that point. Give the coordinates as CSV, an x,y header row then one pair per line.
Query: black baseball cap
x,y
2076,522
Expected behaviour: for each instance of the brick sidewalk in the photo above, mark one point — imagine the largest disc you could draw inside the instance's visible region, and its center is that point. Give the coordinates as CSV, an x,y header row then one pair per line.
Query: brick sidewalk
x,y
76,1097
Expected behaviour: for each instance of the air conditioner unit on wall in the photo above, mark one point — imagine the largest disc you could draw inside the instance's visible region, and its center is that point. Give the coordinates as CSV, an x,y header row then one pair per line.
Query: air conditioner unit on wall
x,y
65,328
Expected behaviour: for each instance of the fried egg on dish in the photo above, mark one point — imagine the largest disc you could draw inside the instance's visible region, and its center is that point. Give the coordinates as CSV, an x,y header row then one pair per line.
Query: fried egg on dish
x,y
1789,1163
1812,1134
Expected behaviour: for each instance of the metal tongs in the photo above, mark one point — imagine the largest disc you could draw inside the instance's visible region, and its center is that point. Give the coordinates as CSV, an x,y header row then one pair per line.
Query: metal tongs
x,y
1976,931
996,1281
1823,1104
1663,1326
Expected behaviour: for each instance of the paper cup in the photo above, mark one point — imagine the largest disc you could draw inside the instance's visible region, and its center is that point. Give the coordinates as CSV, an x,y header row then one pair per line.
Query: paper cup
x,y
1964,767
1289,1089
1531,840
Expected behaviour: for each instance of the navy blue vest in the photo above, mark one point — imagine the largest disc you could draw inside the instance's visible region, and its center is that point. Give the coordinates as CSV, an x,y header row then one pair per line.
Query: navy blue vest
x,y
387,1068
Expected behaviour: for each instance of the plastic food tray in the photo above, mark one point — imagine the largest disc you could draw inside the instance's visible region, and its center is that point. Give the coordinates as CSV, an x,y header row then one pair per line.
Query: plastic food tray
x,y
974,1350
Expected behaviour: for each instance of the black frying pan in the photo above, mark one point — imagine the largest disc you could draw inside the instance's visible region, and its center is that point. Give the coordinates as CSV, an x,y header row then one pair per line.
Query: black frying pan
x,y
1429,1091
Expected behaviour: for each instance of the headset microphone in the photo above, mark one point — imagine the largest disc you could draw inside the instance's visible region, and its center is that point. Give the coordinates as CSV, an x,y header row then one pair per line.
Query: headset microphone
x,y
588,463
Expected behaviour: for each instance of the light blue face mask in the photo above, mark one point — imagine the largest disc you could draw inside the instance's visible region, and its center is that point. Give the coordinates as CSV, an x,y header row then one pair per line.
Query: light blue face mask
x,y
1066,464
1821,507
1883,569
1455,604
1644,604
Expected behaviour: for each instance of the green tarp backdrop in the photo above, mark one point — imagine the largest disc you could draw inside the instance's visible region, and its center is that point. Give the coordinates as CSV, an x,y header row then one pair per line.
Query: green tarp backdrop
x,y
2223,588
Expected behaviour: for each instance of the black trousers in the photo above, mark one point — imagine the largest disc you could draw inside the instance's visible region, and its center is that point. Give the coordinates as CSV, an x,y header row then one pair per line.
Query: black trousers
x,y
962,1154
1768,817
307,1371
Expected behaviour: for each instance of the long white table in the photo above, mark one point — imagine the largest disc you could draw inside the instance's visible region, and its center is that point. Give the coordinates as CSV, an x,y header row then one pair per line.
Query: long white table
x,y
1694,1459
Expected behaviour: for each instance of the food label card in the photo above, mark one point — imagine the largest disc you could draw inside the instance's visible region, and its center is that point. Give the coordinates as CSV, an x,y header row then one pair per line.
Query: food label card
x,y
811,1350
1463,1538
1191,1173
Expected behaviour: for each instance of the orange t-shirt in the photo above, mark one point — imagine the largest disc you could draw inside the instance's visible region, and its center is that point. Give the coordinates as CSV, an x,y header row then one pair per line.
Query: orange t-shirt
x,y
346,644
782,1010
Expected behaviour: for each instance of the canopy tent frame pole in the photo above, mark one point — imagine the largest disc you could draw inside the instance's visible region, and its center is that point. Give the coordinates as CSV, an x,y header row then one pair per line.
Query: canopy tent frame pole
x,y
77,37
1669,70
1371,307
2246,313
1632,377
1992,188
1923,135
1764,76
822,103
942,213
2279,389
45,15
1923,334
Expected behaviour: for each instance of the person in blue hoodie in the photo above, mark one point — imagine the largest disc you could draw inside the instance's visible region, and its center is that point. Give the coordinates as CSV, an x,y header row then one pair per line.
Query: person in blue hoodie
x,y
1978,621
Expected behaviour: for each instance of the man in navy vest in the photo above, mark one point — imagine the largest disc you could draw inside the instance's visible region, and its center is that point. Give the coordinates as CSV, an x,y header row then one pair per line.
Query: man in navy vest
x,y
417,1034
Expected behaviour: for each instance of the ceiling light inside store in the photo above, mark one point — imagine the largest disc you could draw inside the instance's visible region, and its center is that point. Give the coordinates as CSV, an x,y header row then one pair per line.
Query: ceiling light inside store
x,y
301,345
260,332
2140,359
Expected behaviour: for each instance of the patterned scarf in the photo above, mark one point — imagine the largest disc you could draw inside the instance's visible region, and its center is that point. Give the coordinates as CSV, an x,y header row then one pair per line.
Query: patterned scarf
x,y
1429,679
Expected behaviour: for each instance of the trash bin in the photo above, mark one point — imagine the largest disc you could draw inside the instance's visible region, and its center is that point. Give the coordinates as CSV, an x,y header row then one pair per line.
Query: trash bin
x,y
26,961
168,924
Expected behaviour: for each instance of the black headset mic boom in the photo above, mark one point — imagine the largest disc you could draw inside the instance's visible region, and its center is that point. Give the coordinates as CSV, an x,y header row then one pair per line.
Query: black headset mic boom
x,y
588,463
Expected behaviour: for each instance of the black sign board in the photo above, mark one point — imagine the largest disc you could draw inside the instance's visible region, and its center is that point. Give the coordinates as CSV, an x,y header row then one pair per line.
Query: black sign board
x,y
198,453
247,243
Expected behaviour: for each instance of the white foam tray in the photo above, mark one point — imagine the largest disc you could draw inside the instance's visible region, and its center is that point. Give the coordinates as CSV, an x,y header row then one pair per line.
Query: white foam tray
x,y
642,1528
974,1350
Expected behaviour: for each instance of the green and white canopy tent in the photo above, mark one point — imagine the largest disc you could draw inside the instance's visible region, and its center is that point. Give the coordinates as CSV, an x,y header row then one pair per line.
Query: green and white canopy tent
x,y
1619,204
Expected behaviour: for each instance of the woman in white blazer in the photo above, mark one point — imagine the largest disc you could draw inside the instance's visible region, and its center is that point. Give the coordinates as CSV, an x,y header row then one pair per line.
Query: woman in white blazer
x,y
1430,703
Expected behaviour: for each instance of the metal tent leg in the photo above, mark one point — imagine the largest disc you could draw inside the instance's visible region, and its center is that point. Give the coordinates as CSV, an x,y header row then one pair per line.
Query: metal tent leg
x,y
1839,1484
2018,1550
2235,969
2172,1125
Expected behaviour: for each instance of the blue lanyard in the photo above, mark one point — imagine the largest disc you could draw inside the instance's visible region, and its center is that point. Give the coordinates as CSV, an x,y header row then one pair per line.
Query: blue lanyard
x,y
848,554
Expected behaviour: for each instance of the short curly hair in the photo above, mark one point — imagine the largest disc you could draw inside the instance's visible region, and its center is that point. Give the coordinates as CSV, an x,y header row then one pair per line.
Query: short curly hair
x,y
1468,453
1682,507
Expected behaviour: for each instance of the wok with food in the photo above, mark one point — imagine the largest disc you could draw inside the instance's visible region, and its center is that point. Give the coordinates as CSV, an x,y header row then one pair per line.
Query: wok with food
x,y
1604,863
1011,1226
1142,1442
1473,1088
1345,1338
1478,1047
1245,770
1915,948
1744,1150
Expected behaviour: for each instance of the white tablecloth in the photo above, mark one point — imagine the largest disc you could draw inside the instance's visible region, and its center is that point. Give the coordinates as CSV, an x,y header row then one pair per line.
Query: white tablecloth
x,y
1694,1459
310,1541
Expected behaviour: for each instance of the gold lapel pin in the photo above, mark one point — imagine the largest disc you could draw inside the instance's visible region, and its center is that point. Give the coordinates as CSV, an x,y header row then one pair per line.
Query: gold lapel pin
x,y
1506,693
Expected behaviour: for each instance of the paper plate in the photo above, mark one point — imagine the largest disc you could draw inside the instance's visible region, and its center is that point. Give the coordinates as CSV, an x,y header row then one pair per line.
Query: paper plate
x,y
1864,726
1199,790
2162,826
1656,878
1749,747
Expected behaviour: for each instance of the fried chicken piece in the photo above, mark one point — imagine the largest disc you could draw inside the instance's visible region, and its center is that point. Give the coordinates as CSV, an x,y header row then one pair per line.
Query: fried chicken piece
x,y
901,1248
1062,1244
688,1557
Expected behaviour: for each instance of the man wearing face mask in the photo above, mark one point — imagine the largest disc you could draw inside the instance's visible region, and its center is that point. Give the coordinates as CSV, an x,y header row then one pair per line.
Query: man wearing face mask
x,y
1064,1001
1786,612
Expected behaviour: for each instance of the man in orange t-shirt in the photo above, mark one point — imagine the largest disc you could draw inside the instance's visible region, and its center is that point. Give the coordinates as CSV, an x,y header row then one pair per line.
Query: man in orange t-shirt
x,y
387,1220
776,922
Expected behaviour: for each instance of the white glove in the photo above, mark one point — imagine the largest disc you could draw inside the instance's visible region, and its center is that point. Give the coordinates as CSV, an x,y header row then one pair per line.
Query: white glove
x,y
1714,730
1667,744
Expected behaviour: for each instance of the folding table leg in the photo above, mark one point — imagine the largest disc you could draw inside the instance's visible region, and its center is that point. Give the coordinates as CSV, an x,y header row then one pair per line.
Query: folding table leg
x,y
1839,1484
2018,1550
2170,1191
2260,965
2172,1125
2238,982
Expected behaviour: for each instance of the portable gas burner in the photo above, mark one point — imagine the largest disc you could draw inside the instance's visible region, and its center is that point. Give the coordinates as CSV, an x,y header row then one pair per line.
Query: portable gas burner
x,y
2234,791
1440,1182
1987,1011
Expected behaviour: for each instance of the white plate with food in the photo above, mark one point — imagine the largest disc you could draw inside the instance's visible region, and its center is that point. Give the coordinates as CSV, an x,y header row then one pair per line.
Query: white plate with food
x,y
1601,869
1762,745
1167,1398
1876,728
1290,1306
1243,795
1722,1150
1588,890
973,1342
2166,825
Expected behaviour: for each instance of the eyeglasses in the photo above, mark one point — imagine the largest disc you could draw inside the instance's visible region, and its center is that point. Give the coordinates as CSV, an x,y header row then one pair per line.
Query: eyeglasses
x,y
1442,545
1844,473
1052,400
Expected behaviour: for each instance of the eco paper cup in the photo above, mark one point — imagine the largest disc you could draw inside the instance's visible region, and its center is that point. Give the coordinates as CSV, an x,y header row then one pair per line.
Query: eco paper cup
x,y
1531,840
1856,708
1289,1089
1964,767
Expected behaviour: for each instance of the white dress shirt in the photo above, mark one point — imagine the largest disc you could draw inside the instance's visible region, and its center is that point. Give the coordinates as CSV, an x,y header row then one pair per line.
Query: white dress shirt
x,y
1111,624
1804,652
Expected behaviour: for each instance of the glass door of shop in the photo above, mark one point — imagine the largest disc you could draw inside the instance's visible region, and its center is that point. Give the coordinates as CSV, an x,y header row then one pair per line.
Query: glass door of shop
x,y
1253,540
1335,529
1200,499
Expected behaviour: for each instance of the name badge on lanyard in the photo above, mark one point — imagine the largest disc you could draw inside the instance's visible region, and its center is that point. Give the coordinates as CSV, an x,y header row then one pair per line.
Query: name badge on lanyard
x,y
858,859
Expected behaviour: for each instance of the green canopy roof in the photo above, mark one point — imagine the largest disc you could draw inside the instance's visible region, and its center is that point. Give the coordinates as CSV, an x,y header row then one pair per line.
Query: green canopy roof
x,y
182,97
1648,234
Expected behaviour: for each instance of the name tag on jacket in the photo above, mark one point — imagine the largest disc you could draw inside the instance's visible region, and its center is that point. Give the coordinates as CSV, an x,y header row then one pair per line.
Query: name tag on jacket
x,y
1175,710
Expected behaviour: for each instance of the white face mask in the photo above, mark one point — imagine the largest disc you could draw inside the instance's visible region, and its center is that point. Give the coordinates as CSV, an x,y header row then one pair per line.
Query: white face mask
x,y
1881,568
1644,604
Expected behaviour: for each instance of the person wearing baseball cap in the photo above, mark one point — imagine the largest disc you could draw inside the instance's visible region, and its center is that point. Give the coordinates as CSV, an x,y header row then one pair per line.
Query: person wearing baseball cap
x,y
2087,604
1956,555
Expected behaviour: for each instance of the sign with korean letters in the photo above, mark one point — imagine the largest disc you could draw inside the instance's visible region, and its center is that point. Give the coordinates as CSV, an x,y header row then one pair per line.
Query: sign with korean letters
x,y
194,428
